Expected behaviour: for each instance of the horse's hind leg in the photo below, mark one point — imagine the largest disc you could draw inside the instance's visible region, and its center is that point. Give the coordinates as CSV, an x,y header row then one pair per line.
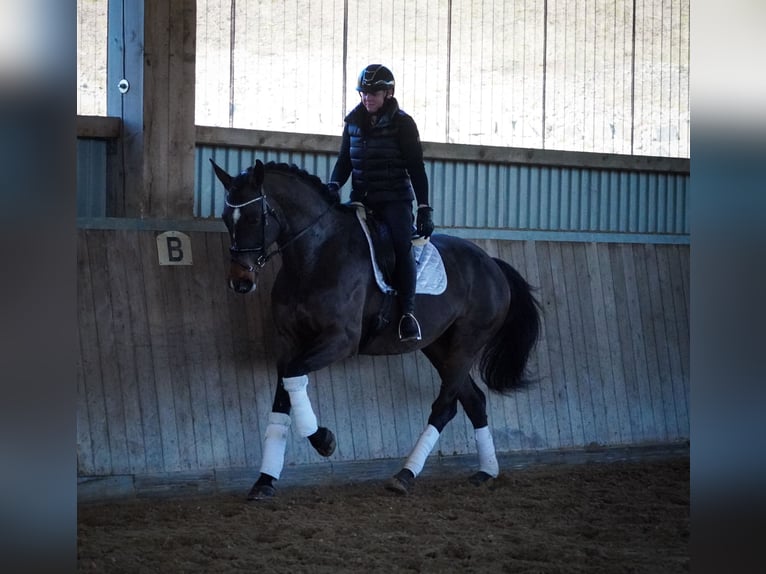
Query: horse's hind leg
x,y
475,405
443,410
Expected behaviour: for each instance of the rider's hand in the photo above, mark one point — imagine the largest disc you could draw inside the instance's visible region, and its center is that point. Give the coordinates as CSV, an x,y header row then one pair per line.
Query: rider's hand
x,y
424,223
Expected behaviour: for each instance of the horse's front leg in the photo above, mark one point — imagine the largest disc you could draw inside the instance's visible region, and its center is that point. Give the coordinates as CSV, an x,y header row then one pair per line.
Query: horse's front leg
x,y
321,438
292,405
290,395
329,346
274,446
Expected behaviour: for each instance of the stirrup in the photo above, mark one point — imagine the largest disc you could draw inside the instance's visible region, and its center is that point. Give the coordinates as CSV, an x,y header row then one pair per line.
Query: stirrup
x,y
411,335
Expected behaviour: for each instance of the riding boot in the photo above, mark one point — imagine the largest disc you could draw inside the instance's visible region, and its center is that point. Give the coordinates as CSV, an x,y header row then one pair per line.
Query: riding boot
x,y
409,328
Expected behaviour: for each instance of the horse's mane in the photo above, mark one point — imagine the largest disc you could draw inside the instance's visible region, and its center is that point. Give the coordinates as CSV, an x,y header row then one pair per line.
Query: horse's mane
x,y
331,197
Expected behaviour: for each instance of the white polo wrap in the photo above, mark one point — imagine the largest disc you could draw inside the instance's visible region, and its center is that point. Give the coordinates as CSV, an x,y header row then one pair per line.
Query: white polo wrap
x,y
301,412
275,444
486,447
422,449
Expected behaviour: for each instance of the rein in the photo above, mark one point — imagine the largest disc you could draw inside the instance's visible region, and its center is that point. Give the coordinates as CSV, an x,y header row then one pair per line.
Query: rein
x,y
267,210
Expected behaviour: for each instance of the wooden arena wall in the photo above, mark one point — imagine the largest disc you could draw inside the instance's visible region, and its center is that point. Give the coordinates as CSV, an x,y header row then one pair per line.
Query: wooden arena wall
x,y
175,372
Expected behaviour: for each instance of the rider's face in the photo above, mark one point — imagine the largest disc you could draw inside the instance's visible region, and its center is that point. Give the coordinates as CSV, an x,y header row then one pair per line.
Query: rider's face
x,y
373,101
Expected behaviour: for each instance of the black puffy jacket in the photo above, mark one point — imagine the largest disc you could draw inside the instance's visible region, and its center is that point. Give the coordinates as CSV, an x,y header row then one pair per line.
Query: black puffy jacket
x,y
385,160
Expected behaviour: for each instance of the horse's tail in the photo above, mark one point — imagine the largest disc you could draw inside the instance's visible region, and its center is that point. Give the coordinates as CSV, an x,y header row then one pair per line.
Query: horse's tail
x,y
503,363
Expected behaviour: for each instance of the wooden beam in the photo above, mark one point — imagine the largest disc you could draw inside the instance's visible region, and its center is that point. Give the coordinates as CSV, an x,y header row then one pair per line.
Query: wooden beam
x,y
98,127
233,137
237,137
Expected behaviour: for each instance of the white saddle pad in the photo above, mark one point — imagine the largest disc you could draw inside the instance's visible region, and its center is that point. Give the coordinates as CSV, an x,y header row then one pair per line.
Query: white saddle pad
x,y
431,275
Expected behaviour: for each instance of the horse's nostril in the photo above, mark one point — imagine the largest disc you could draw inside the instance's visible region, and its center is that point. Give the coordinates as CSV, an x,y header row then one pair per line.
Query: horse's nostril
x,y
242,286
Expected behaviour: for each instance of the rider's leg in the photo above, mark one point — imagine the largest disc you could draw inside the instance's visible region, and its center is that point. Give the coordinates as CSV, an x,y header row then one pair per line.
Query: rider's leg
x,y
409,328
398,216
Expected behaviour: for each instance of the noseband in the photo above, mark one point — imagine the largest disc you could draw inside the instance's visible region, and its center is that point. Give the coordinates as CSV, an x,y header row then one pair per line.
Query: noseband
x,y
266,211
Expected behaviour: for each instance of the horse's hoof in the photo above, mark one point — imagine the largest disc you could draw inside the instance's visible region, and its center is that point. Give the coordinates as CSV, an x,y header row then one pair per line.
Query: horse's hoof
x,y
480,478
323,441
401,482
261,492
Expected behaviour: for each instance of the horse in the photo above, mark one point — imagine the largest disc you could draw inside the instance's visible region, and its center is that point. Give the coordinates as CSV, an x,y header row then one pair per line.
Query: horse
x,y
326,307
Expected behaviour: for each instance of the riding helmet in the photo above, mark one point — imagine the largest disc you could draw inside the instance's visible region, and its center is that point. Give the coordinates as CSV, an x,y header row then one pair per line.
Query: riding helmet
x,y
375,77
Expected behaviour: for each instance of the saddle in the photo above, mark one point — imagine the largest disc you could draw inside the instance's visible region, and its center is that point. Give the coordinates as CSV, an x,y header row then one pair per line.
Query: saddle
x,y
431,275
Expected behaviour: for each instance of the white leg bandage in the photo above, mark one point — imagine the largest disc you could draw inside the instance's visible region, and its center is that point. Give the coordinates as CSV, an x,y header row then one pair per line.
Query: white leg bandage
x,y
302,414
486,448
274,444
422,449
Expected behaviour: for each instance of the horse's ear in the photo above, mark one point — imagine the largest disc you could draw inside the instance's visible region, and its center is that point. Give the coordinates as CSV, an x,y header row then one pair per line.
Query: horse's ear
x,y
222,176
257,173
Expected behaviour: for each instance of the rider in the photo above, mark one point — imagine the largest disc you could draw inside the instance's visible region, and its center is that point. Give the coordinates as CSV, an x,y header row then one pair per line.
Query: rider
x,y
381,151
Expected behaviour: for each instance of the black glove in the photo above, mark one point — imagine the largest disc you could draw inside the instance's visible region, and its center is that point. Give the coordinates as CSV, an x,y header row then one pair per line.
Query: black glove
x,y
333,188
424,222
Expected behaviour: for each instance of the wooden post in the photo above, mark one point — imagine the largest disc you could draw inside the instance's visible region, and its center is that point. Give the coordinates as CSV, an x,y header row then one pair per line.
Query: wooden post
x,y
152,46
125,62
169,53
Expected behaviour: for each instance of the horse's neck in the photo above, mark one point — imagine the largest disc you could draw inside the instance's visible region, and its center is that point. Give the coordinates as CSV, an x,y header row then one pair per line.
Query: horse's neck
x,y
324,248
298,208
310,223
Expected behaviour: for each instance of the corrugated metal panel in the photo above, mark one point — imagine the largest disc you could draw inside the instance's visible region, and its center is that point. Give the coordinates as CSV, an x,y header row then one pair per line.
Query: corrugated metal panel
x,y
498,196
91,178
569,199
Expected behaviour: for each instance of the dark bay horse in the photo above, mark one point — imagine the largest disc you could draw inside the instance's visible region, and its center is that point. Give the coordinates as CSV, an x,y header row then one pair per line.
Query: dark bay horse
x,y
325,304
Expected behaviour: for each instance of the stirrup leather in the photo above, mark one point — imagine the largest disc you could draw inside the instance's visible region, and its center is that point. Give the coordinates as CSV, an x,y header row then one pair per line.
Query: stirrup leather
x,y
416,336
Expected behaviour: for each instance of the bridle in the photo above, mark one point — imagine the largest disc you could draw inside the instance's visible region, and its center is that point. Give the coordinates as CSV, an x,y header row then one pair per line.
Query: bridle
x,y
266,211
